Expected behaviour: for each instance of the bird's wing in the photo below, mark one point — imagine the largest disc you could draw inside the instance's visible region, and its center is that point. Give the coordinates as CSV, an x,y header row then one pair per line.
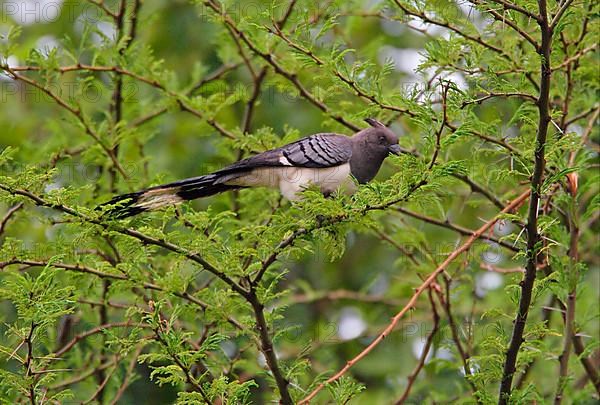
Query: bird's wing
x,y
315,151
318,151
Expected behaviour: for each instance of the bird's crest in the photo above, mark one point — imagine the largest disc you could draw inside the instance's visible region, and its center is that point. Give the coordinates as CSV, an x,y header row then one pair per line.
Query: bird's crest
x,y
374,123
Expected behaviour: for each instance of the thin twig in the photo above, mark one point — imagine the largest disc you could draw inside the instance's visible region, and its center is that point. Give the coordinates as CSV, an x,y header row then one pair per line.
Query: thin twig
x,y
511,6
438,134
504,20
279,69
425,351
480,100
456,228
29,363
93,331
129,373
13,210
75,111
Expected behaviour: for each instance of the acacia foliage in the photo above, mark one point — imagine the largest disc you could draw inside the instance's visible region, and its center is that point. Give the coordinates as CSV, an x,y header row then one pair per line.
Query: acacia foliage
x,y
244,297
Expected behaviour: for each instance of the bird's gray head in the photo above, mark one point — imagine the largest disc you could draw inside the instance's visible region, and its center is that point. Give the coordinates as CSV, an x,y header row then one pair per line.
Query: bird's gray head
x,y
369,149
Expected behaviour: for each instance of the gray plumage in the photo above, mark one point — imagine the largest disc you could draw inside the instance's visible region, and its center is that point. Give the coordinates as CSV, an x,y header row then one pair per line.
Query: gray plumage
x,y
327,160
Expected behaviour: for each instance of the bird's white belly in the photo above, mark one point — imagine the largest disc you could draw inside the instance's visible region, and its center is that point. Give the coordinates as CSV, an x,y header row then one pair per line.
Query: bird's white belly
x,y
292,180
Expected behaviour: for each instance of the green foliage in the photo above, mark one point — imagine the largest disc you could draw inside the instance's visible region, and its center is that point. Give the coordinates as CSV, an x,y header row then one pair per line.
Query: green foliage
x,y
243,296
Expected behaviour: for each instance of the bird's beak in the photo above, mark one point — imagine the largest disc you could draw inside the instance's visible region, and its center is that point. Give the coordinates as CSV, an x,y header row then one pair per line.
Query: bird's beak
x,y
395,149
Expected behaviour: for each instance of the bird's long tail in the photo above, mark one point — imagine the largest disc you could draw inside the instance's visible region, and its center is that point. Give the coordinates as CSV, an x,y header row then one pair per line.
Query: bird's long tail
x,y
152,198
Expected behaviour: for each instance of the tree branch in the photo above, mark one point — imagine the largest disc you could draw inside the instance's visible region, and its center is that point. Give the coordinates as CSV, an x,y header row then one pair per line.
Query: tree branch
x,y
425,351
268,57
480,100
73,110
12,211
511,6
412,301
533,238
266,348
453,227
501,18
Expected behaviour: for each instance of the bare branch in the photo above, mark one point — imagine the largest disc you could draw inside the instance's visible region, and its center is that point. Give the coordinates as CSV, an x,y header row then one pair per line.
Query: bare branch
x,y
524,96
511,6
564,6
12,211
502,18
424,353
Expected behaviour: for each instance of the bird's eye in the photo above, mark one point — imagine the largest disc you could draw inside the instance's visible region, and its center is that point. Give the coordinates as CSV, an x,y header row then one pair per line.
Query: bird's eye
x,y
382,140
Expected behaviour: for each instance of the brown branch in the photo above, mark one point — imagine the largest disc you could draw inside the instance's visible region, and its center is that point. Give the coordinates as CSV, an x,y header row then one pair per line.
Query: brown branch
x,y
186,371
453,227
565,5
424,353
412,301
93,331
100,4
569,86
29,363
82,375
289,241
496,269
216,75
487,138
266,347
116,98
462,352
98,394
502,18
73,110
398,246
533,238
151,82
585,25
279,69
241,52
511,6
477,188
588,366
336,295
575,57
105,303
13,210
595,110
524,96
438,134
286,15
128,374
116,104
573,277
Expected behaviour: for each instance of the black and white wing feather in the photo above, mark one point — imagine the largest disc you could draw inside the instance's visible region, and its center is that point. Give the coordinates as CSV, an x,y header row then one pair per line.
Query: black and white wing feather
x,y
315,151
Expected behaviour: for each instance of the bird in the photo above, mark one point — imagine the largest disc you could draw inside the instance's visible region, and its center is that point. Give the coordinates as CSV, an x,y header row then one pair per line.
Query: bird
x,y
326,160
